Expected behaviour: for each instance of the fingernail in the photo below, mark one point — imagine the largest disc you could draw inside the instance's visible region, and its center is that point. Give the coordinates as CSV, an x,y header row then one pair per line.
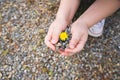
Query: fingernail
x,y
72,46
53,41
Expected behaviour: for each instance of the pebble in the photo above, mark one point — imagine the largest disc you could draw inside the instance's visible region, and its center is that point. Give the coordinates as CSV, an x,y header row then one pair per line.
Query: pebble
x,y
119,46
42,31
59,44
34,69
0,75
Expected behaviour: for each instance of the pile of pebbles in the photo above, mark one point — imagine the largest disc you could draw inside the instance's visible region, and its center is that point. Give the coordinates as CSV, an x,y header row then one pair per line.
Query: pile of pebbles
x,y
24,55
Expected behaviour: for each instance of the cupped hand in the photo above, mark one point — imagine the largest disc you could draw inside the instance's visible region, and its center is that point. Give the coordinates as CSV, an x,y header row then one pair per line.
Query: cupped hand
x,y
54,31
79,32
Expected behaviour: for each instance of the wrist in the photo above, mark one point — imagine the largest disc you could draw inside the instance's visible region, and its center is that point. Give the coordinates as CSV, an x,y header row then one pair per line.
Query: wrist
x,y
82,22
64,19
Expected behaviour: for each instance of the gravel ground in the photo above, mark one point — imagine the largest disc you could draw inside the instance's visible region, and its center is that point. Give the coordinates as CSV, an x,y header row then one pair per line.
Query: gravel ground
x,y
24,56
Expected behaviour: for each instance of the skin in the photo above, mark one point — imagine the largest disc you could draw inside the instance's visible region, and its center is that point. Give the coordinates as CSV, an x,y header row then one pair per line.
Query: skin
x,y
79,29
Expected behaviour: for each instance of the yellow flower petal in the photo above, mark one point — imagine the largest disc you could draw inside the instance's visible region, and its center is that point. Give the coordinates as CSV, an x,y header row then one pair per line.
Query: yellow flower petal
x,y
63,36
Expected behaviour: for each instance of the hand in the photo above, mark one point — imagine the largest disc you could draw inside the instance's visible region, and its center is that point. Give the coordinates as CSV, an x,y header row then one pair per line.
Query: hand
x,y
79,32
54,31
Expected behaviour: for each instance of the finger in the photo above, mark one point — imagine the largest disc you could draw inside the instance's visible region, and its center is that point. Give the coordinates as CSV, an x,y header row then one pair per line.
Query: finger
x,y
48,39
55,35
48,43
75,39
62,52
75,50
79,46
67,54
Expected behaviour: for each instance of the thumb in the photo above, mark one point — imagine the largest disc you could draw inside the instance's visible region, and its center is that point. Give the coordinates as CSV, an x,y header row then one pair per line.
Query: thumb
x,y
74,40
55,36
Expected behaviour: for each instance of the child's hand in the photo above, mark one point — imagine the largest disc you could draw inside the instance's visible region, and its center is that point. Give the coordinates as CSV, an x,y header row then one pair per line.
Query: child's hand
x,y
54,31
79,37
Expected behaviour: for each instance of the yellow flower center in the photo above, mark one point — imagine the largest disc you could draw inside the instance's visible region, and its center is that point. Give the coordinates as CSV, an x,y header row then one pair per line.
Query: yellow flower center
x,y
63,36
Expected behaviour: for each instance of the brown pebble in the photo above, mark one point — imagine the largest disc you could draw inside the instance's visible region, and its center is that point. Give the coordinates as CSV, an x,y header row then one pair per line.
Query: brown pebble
x,y
41,31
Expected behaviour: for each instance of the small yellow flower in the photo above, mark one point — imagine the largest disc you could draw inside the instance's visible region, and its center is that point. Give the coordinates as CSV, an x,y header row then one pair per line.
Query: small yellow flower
x,y
63,36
